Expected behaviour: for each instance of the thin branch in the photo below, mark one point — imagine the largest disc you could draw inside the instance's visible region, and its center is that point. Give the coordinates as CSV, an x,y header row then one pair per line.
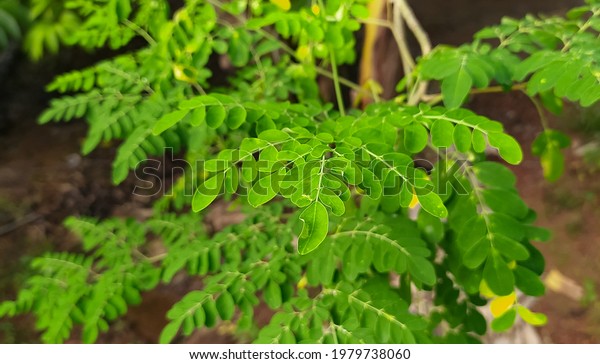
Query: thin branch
x,y
433,99
336,82
408,62
5,229
344,81
402,13
582,29
198,88
540,111
136,28
415,27
420,88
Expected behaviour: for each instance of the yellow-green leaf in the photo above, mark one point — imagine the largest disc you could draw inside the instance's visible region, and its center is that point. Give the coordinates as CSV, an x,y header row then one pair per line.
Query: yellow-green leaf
x,y
532,318
283,4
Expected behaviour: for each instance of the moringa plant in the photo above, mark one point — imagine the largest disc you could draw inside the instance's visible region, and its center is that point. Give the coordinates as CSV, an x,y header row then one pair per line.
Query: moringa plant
x,y
353,216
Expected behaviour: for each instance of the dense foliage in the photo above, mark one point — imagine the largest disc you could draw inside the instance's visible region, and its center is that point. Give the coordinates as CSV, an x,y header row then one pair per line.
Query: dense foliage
x,y
352,215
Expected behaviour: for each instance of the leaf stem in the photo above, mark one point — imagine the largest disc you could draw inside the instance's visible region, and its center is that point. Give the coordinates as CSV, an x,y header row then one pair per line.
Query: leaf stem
x,y
540,111
433,99
336,82
140,31
415,27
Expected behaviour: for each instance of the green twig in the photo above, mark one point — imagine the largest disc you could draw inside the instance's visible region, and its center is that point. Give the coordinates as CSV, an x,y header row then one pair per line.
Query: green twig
x,y
336,82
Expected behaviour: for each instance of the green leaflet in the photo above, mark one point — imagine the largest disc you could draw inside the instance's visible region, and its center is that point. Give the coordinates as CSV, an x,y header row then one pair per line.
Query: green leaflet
x,y
225,305
168,332
333,201
553,163
547,145
433,204
431,227
533,63
473,240
505,201
494,174
462,138
477,253
507,146
198,116
504,322
529,282
498,276
315,227
552,102
272,295
239,50
212,313
422,269
236,117
215,115
263,190
127,157
510,248
441,133
478,141
456,87
168,121
440,64
415,137
207,192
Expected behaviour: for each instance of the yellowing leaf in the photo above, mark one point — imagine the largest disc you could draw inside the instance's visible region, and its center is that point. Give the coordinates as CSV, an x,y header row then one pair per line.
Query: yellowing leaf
x,y
501,304
302,282
179,71
303,53
283,4
315,9
532,318
415,200
485,290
